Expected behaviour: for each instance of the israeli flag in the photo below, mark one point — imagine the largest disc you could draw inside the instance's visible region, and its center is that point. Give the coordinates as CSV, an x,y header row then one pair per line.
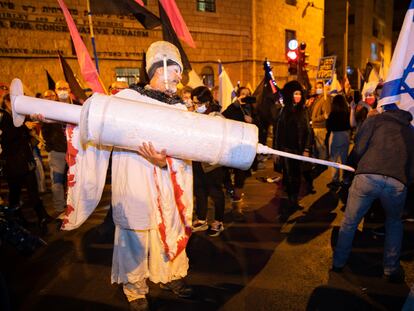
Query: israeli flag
x,y
226,88
399,85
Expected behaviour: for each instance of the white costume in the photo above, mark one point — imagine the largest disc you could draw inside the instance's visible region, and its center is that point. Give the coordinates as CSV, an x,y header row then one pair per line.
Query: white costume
x,y
152,210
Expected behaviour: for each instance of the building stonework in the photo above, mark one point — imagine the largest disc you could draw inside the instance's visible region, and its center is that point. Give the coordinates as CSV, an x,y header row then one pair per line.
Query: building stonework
x,y
241,34
370,33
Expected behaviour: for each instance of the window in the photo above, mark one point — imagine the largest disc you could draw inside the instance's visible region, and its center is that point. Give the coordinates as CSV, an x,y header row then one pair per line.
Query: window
x,y
129,75
289,35
206,5
291,2
207,74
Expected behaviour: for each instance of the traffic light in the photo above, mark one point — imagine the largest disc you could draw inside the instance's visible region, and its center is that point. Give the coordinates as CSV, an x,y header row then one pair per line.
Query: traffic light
x,y
303,57
293,57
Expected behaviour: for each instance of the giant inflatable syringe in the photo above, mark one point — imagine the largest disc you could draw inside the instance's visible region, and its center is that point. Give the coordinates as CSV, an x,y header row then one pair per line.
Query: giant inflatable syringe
x,y
129,119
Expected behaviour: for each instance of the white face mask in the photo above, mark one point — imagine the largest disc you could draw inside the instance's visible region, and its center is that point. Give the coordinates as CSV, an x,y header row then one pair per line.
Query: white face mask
x,y
319,91
201,109
63,95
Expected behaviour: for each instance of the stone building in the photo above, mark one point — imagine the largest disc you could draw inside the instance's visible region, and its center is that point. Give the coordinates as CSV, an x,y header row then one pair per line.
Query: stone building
x,y
369,38
240,33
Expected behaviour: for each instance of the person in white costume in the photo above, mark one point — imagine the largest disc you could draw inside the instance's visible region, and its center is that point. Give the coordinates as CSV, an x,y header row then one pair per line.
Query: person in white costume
x,y
151,195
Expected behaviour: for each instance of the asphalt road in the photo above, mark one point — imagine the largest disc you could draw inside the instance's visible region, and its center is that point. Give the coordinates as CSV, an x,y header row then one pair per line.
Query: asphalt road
x,y
271,259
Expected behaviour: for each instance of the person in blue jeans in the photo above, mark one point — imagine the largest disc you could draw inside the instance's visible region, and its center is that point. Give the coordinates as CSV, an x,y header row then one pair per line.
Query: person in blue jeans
x,y
381,173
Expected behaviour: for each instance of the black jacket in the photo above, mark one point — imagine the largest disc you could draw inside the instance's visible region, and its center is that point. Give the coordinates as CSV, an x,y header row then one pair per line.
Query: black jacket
x,y
384,145
54,136
237,112
17,151
293,131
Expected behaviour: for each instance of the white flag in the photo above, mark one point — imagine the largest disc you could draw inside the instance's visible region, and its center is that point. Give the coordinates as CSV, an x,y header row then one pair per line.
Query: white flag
x,y
225,88
399,85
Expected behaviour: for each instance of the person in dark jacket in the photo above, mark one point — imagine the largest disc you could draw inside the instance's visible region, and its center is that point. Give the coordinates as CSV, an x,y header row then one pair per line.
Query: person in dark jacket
x,y
241,111
208,179
19,164
293,135
384,153
55,144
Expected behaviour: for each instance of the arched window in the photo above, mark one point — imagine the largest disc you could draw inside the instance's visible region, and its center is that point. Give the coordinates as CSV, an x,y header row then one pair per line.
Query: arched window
x,y
207,74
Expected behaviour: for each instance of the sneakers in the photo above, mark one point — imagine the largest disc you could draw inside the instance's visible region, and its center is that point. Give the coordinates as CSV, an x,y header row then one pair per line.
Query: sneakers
x,y
140,304
215,229
396,277
179,288
199,225
237,198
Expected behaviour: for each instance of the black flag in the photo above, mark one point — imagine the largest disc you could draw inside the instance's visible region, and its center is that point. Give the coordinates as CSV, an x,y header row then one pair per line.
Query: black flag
x,y
50,81
126,7
168,34
143,76
70,78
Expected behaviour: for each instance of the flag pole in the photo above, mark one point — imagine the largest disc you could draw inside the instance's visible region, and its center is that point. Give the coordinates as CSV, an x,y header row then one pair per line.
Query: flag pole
x,y
95,55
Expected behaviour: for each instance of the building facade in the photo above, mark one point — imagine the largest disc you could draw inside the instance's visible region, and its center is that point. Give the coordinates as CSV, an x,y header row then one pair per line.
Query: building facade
x,y
239,33
369,34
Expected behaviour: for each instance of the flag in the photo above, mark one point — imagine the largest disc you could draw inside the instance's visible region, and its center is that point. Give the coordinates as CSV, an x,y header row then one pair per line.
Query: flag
x,y
143,75
126,7
336,87
381,73
371,84
347,85
267,93
50,81
177,21
70,78
399,85
88,69
168,34
194,80
225,88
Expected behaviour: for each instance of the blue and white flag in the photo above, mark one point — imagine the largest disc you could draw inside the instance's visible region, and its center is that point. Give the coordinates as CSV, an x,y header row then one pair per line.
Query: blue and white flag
x,y
399,85
225,88
336,87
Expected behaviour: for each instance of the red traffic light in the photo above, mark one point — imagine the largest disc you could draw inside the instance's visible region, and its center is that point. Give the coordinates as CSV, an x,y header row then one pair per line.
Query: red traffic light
x,y
292,55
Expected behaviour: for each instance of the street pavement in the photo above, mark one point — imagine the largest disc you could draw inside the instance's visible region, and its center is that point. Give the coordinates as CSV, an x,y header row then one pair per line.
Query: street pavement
x,y
272,258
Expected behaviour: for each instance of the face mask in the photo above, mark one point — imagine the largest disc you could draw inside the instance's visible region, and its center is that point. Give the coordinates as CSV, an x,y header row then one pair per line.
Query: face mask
x,y
63,95
319,91
370,100
297,98
201,109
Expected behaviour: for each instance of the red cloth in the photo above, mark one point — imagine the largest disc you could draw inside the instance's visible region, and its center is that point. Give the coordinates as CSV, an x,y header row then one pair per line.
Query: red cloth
x,y
88,69
177,21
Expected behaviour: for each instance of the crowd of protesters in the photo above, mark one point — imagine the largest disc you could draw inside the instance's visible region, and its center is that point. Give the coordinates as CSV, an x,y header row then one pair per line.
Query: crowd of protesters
x,y
318,123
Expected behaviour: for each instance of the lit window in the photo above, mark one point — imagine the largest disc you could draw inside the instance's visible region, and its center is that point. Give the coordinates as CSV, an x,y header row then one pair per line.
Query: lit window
x,y
206,5
129,75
